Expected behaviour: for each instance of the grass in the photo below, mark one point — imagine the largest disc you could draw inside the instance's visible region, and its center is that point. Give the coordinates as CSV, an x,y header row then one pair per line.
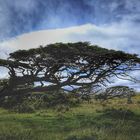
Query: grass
x,y
113,120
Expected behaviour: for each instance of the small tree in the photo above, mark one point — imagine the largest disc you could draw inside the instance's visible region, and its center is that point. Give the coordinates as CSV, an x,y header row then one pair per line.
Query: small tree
x,y
117,91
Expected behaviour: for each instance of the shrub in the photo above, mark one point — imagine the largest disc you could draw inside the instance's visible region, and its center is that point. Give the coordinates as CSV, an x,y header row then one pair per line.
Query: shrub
x,y
25,107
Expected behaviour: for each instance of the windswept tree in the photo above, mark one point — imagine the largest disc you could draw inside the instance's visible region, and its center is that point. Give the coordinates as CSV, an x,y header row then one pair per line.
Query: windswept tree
x,y
60,66
117,92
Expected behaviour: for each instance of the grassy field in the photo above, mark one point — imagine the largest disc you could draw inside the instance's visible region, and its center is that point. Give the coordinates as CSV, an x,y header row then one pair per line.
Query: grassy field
x,y
113,120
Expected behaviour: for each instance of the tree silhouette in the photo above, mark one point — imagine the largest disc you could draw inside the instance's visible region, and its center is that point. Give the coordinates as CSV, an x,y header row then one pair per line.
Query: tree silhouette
x,y
116,92
57,66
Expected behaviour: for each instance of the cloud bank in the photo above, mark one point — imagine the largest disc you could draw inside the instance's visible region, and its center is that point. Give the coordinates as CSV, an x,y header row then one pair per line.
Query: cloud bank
x,y
120,36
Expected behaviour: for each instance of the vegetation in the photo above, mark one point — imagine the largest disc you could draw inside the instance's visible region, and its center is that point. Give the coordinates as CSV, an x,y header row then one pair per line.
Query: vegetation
x,y
110,120
54,93
116,91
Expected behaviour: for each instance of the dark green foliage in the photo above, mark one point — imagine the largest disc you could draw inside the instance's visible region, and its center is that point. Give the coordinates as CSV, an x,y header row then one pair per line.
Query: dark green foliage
x,y
29,103
10,101
118,113
83,138
25,107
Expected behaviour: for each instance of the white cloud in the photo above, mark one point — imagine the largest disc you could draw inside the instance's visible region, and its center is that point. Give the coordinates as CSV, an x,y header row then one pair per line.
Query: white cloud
x,y
133,84
3,73
120,36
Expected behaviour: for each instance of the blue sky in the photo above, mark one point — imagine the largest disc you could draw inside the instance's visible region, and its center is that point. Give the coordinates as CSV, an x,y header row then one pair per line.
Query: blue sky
x,y
114,24
23,16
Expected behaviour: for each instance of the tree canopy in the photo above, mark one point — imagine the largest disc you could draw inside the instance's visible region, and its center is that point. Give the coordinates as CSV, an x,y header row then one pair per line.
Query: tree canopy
x,y
116,91
60,65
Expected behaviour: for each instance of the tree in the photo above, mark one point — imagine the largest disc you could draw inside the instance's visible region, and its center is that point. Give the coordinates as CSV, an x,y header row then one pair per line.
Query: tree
x,y
116,91
57,66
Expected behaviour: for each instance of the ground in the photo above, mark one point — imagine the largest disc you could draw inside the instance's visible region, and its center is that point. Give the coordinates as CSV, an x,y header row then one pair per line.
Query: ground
x,y
112,120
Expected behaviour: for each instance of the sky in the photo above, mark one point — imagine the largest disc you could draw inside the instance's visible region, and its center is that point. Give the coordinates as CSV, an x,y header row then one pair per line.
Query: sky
x,y
113,24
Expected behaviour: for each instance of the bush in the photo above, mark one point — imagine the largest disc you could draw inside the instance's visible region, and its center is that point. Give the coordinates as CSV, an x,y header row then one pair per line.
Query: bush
x,y
9,102
25,107
119,113
31,102
83,138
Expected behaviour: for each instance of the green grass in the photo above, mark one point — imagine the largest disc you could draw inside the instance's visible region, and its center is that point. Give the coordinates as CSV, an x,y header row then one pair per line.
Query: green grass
x,y
113,120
